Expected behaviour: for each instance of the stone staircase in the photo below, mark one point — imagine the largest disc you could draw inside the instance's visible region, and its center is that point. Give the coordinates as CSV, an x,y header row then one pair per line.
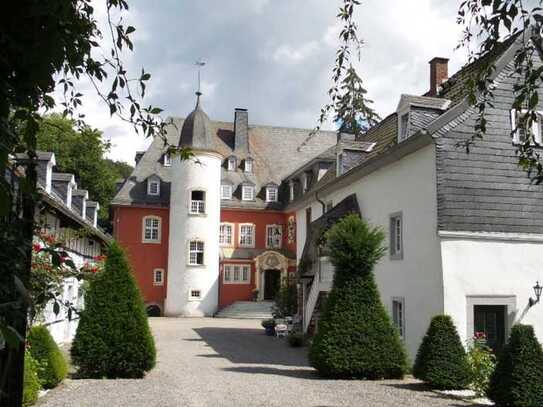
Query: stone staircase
x,y
247,310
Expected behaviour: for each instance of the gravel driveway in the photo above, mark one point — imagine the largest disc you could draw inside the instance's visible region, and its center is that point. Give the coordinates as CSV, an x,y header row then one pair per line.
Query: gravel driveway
x,y
226,362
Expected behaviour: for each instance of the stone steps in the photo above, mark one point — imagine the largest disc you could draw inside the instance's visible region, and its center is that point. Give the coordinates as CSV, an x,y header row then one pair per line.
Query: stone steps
x,y
247,310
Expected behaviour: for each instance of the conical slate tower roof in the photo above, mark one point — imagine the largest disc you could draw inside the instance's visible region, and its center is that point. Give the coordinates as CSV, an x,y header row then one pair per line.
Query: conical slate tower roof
x,y
196,129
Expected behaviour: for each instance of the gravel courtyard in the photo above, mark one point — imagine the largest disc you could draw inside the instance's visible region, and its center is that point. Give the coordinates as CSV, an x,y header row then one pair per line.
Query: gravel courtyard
x,y
225,362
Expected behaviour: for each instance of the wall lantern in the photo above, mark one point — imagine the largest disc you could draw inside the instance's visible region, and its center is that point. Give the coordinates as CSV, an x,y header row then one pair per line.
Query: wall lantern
x,y
537,291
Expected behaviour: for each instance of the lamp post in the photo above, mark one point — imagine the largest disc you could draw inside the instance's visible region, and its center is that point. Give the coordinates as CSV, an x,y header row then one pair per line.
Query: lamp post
x,y
537,292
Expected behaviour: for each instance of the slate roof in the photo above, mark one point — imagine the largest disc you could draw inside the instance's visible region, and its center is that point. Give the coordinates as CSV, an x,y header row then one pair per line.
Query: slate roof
x,y
277,152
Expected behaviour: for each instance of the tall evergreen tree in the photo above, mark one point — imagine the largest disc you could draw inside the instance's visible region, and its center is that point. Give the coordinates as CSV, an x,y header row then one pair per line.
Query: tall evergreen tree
x,y
113,338
355,337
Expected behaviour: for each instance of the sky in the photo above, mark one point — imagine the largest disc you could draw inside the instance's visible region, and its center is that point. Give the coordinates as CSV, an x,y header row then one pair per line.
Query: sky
x,y
273,57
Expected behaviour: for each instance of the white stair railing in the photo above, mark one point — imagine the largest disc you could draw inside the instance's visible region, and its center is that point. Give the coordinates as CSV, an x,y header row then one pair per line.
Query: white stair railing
x,y
312,298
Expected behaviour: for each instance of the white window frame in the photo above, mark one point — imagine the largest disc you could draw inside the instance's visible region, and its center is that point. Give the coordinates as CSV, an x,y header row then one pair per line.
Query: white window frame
x,y
398,319
158,281
248,165
396,232
197,207
272,193
195,298
536,127
403,132
150,183
231,164
196,251
225,243
230,189
269,242
245,188
229,275
167,160
251,244
151,227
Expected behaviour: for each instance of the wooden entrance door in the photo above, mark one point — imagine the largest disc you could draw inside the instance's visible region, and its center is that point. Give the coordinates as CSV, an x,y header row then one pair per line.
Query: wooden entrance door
x,y
490,319
272,282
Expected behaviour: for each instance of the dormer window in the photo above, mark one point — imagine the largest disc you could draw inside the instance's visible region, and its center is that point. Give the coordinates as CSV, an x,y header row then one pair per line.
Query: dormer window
x,y
226,191
291,190
231,163
247,193
403,130
248,167
271,193
197,202
306,181
167,160
153,186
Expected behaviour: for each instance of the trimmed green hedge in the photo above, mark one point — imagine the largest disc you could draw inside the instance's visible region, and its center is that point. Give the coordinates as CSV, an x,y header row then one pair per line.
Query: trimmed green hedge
x,y
31,384
113,339
43,348
441,359
355,337
518,378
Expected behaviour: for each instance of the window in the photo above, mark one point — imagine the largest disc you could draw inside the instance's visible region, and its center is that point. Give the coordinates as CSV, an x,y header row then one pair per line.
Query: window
x,y
151,229
196,253
271,193
519,122
247,235
153,187
248,165
237,274
225,234
291,190
195,295
231,164
398,315
197,202
248,193
339,169
274,236
167,160
396,236
158,277
226,191
404,127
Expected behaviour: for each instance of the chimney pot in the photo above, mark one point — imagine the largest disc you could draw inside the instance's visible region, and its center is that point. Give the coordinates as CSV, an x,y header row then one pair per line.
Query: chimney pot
x,y
439,73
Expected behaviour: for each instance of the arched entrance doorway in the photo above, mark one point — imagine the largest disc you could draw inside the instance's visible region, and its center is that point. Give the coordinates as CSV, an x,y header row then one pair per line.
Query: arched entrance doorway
x,y
271,269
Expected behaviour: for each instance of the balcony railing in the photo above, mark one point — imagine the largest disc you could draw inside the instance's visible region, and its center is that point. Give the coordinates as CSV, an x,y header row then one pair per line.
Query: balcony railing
x,y
197,207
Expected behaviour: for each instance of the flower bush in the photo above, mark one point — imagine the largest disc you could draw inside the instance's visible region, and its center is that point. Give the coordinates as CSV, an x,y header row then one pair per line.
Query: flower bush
x,y
482,362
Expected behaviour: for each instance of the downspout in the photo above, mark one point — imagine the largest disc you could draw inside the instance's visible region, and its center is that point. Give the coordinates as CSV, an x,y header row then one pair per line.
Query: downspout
x,y
321,202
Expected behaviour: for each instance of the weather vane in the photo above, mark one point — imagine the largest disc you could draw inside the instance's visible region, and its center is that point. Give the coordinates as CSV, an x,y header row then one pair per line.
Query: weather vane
x,y
199,63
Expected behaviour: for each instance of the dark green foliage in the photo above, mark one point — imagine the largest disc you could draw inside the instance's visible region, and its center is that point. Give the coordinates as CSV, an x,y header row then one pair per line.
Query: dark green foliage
x,y
43,348
355,337
268,323
113,338
286,300
441,360
31,384
518,378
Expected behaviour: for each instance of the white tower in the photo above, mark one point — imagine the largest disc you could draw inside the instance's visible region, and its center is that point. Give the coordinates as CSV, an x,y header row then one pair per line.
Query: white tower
x,y
193,259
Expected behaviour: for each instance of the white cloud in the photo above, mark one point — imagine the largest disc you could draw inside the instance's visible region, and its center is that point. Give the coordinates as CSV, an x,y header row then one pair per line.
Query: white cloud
x,y
291,54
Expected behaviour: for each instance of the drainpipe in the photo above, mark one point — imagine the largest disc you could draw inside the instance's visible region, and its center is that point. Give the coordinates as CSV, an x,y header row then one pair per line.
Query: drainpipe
x,y
321,202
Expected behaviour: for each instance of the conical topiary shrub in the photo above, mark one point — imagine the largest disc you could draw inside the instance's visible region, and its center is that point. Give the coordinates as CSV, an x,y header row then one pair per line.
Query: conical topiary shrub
x,y
355,337
441,360
43,348
518,378
113,338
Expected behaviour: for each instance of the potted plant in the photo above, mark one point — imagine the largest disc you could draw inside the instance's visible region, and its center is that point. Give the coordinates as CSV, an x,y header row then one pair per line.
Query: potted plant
x,y
269,326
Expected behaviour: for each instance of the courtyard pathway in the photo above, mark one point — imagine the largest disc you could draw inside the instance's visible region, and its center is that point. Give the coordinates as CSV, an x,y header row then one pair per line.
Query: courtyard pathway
x,y
225,362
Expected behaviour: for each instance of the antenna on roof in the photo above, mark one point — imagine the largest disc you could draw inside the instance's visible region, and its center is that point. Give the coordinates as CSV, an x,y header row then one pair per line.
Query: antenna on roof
x,y
199,63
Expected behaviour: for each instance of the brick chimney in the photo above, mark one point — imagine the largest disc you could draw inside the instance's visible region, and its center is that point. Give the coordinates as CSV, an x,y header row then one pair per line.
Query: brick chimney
x,y
439,73
241,130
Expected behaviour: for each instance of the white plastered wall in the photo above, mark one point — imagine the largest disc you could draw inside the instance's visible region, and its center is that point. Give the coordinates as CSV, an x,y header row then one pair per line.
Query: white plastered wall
x,y
201,173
